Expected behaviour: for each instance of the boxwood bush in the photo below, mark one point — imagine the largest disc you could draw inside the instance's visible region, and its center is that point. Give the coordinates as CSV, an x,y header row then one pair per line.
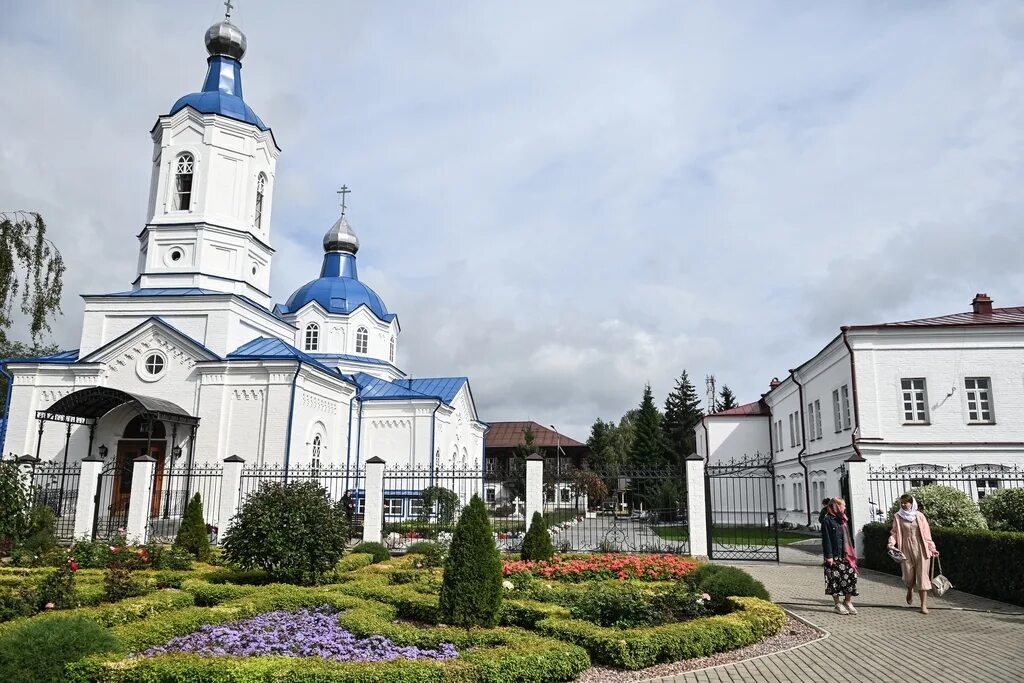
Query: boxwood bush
x,y
471,593
1004,510
36,650
945,506
537,542
722,582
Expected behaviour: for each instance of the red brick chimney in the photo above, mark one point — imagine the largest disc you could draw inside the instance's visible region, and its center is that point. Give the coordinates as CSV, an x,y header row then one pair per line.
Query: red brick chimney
x,y
982,304
774,383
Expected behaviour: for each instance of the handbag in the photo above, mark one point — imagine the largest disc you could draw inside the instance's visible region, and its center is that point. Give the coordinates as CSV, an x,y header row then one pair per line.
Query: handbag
x,y
940,584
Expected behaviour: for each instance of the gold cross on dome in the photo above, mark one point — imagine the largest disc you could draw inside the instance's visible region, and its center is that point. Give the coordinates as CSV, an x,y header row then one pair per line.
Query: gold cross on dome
x,y
343,191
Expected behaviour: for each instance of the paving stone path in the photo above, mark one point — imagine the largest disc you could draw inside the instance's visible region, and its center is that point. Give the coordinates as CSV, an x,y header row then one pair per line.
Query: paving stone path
x,y
963,639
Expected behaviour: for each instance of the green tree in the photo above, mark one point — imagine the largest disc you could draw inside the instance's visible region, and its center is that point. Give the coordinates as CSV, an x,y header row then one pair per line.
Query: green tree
x,y
726,399
682,414
14,515
192,536
471,590
650,447
537,542
31,275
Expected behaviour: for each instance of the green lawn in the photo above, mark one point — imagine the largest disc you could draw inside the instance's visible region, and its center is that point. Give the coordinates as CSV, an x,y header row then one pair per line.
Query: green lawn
x,y
736,535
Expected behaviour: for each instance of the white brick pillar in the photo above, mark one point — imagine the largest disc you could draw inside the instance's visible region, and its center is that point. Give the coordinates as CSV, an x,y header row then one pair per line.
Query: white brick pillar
x,y
137,529
85,507
230,493
857,507
373,505
534,487
696,506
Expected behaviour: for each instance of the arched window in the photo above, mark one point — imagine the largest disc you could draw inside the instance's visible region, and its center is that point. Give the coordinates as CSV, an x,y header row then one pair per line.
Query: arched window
x,y
391,355
261,184
312,342
362,340
183,182
314,461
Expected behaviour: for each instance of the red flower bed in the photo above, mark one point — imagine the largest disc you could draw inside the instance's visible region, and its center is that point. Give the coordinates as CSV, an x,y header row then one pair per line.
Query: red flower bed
x,y
602,567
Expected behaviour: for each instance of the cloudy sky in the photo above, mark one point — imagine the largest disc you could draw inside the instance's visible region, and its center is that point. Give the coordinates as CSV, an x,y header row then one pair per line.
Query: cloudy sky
x,y
565,200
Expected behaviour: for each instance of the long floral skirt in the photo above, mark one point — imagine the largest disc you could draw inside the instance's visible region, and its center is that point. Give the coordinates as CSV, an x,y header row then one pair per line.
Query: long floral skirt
x,y
840,578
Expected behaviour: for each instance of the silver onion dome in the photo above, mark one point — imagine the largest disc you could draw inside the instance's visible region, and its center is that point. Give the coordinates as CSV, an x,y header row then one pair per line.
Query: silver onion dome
x,y
225,39
341,238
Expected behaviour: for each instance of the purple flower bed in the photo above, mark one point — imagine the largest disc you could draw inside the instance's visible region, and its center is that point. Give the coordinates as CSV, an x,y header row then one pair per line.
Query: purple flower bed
x,y
303,633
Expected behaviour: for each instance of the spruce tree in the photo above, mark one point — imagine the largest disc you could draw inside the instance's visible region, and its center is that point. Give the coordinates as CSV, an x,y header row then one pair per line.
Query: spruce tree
x,y
650,448
471,591
682,414
537,542
192,536
726,399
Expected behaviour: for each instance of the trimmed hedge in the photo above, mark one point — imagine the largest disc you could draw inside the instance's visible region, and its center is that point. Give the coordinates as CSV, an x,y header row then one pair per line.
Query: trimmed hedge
x,y
638,648
985,563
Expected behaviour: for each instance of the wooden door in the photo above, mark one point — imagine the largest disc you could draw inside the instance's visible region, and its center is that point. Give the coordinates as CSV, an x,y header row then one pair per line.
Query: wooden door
x,y
127,451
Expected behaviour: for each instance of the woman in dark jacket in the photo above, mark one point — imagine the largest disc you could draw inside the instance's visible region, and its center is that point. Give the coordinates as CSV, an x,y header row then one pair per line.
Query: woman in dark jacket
x,y
840,560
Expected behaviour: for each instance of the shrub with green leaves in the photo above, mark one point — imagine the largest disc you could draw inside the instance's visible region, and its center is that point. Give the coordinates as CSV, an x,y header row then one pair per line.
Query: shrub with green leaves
x,y
722,582
537,542
192,536
57,589
420,548
13,505
945,506
292,531
37,650
378,551
1004,509
471,591
41,534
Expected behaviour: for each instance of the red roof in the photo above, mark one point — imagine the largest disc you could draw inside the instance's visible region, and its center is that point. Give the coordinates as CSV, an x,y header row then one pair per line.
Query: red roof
x,y
510,435
1013,315
755,408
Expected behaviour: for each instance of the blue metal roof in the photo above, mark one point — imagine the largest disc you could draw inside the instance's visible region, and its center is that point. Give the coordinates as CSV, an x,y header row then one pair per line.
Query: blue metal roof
x,y
271,348
337,290
367,360
60,357
163,291
221,93
441,388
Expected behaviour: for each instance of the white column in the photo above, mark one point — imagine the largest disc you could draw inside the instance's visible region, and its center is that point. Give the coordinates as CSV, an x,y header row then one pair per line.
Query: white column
x,y
230,493
373,505
857,506
534,487
85,507
696,506
137,528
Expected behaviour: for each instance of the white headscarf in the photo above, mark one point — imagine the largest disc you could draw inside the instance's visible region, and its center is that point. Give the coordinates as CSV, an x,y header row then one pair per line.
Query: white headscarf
x,y
911,514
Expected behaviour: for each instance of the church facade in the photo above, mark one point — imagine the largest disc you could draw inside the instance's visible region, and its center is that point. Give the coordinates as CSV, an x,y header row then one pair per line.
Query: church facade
x,y
195,363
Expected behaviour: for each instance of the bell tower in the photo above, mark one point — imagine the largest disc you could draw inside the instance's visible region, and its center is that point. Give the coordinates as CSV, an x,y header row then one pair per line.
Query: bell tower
x,y
211,191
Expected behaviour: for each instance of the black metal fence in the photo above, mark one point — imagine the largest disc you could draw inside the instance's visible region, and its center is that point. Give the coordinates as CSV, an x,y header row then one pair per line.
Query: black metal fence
x,y
886,485
55,486
740,496
172,490
618,508
113,495
425,504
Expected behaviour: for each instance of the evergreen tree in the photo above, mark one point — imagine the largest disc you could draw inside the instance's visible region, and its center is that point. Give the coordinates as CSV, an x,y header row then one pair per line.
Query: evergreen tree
x,y
192,536
650,448
471,590
537,542
605,445
682,414
726,399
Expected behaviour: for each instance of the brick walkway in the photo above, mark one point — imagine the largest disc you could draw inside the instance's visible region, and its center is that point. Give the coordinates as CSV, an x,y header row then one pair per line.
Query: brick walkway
x,y
964,638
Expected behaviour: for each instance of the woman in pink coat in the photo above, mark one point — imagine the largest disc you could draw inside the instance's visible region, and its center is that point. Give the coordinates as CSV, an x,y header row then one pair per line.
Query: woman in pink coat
x,y
912,535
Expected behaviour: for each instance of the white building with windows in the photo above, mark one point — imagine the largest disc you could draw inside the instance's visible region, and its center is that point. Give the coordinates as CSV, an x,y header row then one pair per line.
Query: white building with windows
x,y
929,393
194,363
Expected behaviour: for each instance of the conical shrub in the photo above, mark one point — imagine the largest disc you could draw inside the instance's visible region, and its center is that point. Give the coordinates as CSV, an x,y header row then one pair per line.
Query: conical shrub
x,y
471,592
537,542
192,536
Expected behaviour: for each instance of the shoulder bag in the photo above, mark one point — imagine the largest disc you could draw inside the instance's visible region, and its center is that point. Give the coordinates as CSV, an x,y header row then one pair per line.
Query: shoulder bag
x,y
940,584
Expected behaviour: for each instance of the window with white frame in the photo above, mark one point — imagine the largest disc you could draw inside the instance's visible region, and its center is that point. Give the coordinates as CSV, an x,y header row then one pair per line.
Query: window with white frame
x,y
491,464
360,506
844,392
778,436
566,495
261,185
415,507
798,427
836,414
393,506
780,503
792,433
362,340
391,353
915,401
810,422
490,496
817,416
312,338
979,400
798,495
183,174
986,486
314,455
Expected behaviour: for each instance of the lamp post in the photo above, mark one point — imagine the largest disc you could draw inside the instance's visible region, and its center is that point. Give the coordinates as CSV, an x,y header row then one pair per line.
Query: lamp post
x,y
102,450
558,467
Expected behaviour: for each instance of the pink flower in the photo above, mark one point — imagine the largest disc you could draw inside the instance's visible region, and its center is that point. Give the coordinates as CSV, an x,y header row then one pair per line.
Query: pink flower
x,y
73,566
705,597
114,548
49,605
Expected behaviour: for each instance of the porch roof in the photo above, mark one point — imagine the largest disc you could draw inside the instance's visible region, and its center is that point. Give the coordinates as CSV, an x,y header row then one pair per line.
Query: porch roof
x,y
86,406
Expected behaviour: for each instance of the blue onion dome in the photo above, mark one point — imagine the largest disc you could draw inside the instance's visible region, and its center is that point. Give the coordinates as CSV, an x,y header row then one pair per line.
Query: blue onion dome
x,y
338,289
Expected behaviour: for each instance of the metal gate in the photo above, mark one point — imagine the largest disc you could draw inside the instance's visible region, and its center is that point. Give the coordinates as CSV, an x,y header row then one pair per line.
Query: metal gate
x,y
619,508
113,493
55,486
740,496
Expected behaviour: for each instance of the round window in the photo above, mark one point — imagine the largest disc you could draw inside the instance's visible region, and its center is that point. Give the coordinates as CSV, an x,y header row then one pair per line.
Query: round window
x,y
151,366
254,270
176,255
154,364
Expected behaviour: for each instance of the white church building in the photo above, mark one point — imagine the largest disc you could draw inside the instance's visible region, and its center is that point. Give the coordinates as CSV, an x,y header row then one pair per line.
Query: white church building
x,y
195,363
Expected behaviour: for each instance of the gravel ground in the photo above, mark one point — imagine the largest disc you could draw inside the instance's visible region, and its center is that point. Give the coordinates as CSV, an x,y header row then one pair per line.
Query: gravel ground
x,y
793,633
